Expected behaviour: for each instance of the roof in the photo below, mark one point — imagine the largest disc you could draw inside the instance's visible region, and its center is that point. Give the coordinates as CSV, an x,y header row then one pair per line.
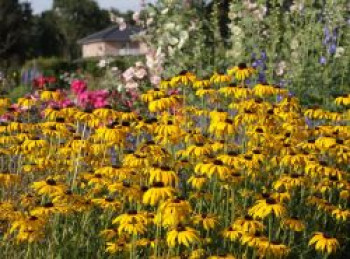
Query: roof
x,y
111,34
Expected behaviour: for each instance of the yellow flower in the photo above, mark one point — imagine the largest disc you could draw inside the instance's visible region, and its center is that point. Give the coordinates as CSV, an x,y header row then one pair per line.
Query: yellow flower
x,y
241,72
182,235
222,256
232,234
163,174
343,100
158,192
218,78
197,181
48,187
132,223
266,207
341,215
248,225
51,94
294,224
184,77
324,243
152,95
274,249
117,246
198,150
207,221
107,203
203,83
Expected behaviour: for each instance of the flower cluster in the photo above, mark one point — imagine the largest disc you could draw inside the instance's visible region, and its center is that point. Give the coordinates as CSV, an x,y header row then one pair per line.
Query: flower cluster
x,y
212,168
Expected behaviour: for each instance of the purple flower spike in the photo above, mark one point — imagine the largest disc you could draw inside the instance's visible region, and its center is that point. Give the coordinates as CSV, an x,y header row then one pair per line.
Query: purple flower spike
x,y
332,49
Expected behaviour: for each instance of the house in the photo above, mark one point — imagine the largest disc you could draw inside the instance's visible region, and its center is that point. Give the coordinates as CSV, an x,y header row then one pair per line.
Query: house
x,y
112,42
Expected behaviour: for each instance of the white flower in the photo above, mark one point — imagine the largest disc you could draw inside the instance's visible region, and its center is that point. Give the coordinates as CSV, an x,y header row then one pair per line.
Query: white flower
x,y
339,52
155,80
169,26
149,21
122,26
237,31
139,64
120,87
131,85
172,40
136,16
140,73
281,67
102,63
294,44
129,74
296,7
165,11
183,38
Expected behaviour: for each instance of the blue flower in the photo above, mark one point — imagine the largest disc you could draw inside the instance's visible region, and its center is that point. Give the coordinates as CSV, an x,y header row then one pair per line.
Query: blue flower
x,y
279,98
323,60
332,49
262,77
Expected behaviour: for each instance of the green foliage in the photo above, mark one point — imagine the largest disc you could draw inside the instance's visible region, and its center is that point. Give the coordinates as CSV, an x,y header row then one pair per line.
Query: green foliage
x,y
47,40
18,92
51,66
77,19
295,36
15,22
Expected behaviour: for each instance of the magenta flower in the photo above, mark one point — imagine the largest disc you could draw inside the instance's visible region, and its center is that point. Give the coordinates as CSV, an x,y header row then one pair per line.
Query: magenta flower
x,y
78,86
96,99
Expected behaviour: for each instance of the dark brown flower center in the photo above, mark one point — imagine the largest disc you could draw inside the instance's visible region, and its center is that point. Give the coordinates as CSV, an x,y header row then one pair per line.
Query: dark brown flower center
x,y
132,212
33,218
218,162
340,141
48,205
248,217
158,184
242,66
51,182
271,201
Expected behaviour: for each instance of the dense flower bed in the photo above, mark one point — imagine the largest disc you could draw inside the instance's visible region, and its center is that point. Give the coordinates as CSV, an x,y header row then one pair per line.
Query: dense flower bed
x,y
216,167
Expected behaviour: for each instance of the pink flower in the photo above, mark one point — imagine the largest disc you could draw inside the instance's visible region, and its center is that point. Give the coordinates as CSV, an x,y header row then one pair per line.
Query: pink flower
x,y
155,80
65,103
140,73
138,64
173,92
83,98
129,74
131,85
96,99
78,86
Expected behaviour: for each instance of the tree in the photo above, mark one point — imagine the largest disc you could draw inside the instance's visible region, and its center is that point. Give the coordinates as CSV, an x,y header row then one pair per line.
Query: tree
x,y
15,20
47,40
77,19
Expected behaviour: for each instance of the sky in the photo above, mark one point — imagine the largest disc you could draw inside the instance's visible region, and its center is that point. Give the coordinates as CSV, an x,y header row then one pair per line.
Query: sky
x,y
123,5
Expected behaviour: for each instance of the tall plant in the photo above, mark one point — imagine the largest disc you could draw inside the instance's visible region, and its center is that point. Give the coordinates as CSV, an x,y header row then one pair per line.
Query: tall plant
x,y
305,44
